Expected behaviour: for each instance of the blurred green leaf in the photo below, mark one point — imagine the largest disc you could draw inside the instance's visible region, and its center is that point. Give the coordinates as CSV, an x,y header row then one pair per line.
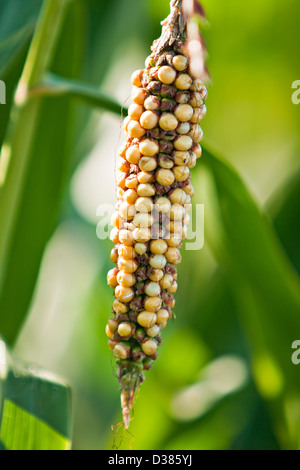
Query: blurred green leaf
x,y
263,281
30,198
35,407
15,29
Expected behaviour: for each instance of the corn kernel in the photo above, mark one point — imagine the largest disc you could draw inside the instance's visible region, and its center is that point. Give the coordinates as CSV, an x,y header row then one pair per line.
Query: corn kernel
x,y
145,178
183,81
196,133
177,196
180,62
184,142
121,352
158,247
181,173
173,255
152,289
126,237
146,319
149,120
127,265
127,211
152,304
138,95
124,294
149,347
183,128
135,111
119,307
155,275
165,177
115,235
145,190
168,122
152,103
126,251
143,219
184,112
163,205
144,204
166,281
147,163
166,74
176,212
125,329
173,288
112,277
136,78
197,150
140,248
135,130
174,239
112,325
126,279
162,316
158,261
153,331
133,155
142,235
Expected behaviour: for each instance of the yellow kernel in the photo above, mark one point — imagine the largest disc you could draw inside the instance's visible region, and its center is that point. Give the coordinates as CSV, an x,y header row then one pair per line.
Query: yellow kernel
x,y
192,160
126,121
183,128
184,142
127,211
153,331
122,150
112,277
148,147
127,265
162,316
180,62
183,81
146,319
184,112
114,255
196,133
130,196
152,304
189,189
135,130
165,177
199,114
114,235
125,329
152,289
177,196
180,157
119,307
196,99
135,111
140,248
145,190
144,204
197,150
155,275
147,163
168,122
145,178
176,212
149,120
143,219
124,294
174,239
126,279
109,333
121,352
181,173
131,182
175,226
158,247
125,237
133,155
173,288
166,74
136,78
173,255
121,181
126,251
166,281
149,347
113,324
138,95
163,205
158,261
142,235
152,103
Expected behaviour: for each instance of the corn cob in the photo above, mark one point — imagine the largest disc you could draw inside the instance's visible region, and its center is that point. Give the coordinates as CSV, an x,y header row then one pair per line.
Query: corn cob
x,y
154,193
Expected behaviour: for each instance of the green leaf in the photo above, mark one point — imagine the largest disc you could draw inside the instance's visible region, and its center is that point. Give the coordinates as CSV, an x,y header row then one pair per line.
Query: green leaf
x,y
262,279
35,407
38,145
15,29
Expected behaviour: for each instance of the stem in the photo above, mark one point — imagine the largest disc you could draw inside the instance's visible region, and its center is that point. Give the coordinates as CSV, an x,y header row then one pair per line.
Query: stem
x,y
16,151
53,85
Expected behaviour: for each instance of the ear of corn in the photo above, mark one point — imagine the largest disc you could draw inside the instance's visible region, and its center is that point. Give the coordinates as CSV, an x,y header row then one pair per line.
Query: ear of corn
x,y
154,194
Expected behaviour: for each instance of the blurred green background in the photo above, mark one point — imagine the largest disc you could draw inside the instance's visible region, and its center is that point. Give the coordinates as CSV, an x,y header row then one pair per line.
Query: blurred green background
x,y
224,378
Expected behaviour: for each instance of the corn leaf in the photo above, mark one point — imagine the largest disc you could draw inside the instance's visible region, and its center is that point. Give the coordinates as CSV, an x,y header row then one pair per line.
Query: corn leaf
x,y
35,407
